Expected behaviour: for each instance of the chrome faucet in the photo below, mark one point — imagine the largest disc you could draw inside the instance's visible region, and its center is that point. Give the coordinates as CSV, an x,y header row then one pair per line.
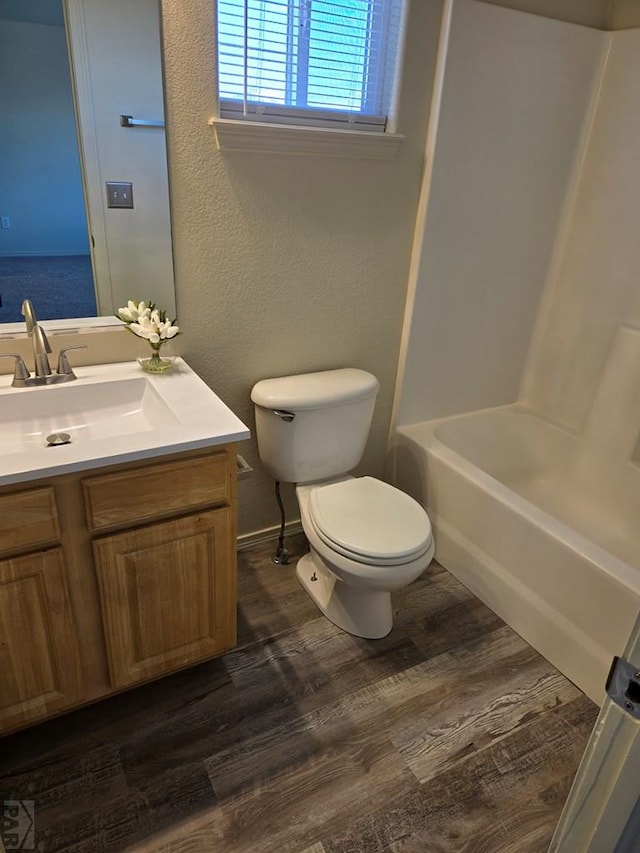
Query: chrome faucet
x,y
41,347
42,374
29,315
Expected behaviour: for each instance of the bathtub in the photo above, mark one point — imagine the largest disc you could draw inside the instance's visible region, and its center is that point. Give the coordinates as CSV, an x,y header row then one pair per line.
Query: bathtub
x,y
541,524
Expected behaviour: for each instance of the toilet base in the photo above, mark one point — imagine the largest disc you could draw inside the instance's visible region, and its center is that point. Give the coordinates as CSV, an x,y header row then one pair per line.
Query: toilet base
x,y
361,612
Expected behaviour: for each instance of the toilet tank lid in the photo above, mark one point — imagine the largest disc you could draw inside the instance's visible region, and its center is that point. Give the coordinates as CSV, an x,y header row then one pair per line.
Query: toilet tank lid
x,y
315,390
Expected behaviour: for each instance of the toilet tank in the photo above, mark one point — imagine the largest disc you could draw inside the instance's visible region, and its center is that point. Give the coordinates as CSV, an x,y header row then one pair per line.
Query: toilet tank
x,y
327,434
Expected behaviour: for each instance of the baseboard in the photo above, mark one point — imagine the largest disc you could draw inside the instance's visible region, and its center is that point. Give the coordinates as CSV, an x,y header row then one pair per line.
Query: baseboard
x,y
259,537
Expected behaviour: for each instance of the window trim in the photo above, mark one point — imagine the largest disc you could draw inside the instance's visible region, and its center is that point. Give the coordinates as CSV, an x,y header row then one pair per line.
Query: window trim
x,y
284,136
267,138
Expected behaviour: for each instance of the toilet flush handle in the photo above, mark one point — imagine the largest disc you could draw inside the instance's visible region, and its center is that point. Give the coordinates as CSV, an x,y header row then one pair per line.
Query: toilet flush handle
x,y
286,416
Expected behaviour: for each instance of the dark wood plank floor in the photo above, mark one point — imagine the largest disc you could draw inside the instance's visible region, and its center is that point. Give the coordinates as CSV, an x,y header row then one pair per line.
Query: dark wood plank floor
x,y
451,734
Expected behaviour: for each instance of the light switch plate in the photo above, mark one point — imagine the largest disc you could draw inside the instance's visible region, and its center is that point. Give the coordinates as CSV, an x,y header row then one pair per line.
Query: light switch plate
x,y
119,194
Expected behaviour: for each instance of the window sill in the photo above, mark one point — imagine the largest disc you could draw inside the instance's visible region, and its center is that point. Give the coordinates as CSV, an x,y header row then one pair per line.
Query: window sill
x,y
255,136
74,326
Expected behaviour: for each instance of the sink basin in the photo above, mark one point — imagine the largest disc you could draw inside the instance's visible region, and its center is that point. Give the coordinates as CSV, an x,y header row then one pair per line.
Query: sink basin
x,y
85,412
112,413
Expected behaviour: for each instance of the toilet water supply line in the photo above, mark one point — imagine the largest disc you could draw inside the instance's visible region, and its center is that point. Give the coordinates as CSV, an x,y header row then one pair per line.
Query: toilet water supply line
x,y
282,555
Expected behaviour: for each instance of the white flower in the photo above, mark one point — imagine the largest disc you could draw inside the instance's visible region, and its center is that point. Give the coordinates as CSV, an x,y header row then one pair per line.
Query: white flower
x,y
139,330
148,322
166,330
130,313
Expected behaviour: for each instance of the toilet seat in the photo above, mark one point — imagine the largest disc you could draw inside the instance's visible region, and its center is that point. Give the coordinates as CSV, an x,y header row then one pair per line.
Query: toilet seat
x,y
370,521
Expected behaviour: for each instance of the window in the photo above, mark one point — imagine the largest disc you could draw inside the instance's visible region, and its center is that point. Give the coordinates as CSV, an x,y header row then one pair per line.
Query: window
x,y
330,63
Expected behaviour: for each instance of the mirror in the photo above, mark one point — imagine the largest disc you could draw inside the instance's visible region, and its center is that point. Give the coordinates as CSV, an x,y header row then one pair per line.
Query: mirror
x,y
59,235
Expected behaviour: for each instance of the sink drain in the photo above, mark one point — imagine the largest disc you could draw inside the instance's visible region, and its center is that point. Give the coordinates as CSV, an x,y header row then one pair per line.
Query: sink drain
x,y
57,438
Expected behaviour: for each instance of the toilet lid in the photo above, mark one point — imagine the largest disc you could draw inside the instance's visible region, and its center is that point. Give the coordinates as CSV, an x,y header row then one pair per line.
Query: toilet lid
x,y
370,519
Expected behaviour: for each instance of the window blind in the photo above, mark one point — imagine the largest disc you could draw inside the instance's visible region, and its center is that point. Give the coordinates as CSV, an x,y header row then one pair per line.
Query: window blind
x,y
312,62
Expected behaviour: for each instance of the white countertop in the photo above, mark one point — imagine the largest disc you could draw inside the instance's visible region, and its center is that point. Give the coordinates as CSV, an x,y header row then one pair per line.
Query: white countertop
x,y
189,416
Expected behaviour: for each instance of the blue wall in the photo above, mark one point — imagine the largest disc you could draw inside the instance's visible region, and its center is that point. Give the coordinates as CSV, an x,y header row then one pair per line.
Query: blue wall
x,y
40,179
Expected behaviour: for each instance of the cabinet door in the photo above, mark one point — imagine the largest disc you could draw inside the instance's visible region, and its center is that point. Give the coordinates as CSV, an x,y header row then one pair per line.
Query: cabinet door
x,y
167,594
40,671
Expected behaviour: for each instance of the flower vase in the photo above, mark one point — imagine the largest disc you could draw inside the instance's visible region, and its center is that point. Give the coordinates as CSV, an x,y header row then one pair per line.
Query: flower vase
x,y
156,364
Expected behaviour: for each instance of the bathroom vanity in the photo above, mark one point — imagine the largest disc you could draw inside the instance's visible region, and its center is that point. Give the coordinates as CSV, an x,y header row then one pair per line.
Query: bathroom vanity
x,y
115,567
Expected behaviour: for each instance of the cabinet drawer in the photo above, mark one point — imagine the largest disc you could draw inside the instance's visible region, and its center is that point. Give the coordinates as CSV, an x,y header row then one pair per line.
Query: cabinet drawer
x,y
156,491
28,520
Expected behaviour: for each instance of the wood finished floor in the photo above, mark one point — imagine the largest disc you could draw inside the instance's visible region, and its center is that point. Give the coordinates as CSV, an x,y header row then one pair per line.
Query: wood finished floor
x,y
451,734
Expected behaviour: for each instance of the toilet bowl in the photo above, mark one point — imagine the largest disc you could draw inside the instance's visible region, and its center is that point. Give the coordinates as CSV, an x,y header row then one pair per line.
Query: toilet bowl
x,y
366,538
353,589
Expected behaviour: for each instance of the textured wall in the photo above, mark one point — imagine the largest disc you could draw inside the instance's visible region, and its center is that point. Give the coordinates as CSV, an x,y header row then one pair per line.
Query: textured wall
x,y
287,264
623,14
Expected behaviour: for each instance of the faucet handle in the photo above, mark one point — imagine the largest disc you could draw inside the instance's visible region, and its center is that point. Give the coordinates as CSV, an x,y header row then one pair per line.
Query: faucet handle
x,y
64,368
20,372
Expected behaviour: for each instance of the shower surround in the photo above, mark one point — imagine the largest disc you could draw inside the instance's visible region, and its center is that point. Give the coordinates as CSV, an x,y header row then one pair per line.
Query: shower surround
x,y
523,443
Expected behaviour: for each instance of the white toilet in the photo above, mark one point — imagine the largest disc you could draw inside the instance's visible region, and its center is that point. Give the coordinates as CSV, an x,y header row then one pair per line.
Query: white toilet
x,y
367,538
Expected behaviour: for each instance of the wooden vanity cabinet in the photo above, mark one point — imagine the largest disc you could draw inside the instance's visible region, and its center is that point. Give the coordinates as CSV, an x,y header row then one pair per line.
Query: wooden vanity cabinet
x,y
114,577
40,670
167,589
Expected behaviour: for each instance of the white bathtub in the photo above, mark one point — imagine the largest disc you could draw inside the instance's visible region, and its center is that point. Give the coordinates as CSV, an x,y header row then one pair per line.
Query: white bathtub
x,y
542,525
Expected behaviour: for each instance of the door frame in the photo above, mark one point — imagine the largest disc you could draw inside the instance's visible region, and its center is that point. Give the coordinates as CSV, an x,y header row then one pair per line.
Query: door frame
x,y
603,806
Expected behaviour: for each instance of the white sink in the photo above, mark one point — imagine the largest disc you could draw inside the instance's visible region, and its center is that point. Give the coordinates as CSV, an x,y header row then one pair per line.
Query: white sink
x,y
111,413
85,412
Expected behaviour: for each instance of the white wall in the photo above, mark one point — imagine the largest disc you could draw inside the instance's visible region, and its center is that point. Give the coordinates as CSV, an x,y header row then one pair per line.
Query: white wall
x,y
517,89
589,13
40,181
587,345
116,52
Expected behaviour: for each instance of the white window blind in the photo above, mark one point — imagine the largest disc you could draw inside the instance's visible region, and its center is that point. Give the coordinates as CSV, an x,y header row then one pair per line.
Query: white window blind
x,y
309,62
